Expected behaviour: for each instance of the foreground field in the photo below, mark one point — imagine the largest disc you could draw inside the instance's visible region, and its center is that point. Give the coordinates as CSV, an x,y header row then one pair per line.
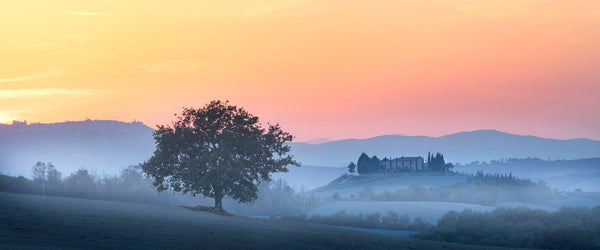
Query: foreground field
x,y
50,222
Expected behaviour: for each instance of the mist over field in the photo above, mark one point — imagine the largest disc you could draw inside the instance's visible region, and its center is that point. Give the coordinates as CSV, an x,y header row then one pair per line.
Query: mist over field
x,y
408,204
107,147
300,124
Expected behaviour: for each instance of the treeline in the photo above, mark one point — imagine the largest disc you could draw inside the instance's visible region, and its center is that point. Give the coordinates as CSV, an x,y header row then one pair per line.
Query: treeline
x,y
130,185
483,189
520,161
568,228
389,221
502,179
533,162
275,198
521,227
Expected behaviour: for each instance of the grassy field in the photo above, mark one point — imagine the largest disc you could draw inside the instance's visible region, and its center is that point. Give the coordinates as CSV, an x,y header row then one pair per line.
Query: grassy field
x,y
29,221
428,211
348,185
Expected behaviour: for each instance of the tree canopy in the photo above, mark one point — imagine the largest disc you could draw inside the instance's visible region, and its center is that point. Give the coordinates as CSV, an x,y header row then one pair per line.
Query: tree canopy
x,y
366,164
352,167
436,162
218,150
45,172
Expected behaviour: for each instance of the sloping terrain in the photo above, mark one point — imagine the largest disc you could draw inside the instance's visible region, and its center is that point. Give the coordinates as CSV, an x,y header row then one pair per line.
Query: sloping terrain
x,y
567,175
100,146
370,194
51,222
309,177
463,147
353,185
110,146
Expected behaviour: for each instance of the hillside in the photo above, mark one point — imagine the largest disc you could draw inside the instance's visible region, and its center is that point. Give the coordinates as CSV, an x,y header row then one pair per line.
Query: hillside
x,y
562,174
109,146
101,146
50,222
310,177
431,195
464,147
348,185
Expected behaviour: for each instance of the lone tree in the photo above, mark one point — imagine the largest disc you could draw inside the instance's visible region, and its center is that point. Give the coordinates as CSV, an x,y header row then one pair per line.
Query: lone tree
x,y
218,150
351,167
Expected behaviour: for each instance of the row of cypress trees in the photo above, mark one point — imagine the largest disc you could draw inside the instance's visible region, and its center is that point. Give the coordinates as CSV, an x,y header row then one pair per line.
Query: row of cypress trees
x,y
436,163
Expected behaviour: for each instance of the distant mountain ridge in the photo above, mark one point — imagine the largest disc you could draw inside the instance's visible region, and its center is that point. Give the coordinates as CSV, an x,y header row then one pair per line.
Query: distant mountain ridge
x,y
108,146
102,146
317,141
463,147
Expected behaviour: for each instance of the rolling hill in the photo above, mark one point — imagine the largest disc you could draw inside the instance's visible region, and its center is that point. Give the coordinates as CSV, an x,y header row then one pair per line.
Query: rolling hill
x,y
109,146
39,222
101,146
463,147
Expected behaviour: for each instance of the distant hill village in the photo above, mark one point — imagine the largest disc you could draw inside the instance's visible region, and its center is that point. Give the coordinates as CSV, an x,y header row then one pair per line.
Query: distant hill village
x,y
374,165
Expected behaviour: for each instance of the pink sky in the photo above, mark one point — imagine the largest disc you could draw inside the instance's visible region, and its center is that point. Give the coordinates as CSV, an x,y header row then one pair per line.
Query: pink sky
x,y
336,69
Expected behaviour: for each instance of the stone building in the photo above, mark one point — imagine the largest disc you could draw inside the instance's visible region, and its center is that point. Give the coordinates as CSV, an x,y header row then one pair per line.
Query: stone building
x,y
403,164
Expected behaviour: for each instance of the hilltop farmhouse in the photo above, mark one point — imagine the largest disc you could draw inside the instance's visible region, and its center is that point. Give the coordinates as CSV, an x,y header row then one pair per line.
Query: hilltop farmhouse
x,y
373,165
403,164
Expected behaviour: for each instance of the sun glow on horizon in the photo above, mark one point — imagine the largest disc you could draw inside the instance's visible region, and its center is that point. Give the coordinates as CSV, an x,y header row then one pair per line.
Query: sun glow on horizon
x,y
341,69
6,119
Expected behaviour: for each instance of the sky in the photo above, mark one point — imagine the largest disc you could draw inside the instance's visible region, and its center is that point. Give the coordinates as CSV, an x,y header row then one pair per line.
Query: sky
x,y
335,69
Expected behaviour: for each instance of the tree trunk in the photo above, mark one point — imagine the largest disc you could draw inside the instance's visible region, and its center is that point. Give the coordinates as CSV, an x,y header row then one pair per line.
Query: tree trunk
x,y
218,200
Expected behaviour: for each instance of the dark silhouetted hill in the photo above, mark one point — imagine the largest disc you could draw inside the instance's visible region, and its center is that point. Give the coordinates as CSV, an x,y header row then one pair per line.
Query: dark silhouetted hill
x,y
99,145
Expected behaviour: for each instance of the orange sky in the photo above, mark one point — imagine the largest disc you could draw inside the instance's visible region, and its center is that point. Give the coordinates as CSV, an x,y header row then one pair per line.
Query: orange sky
x,y
337,69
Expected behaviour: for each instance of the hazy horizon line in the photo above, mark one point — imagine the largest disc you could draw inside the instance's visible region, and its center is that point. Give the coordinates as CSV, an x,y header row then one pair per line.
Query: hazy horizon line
x,y
329,140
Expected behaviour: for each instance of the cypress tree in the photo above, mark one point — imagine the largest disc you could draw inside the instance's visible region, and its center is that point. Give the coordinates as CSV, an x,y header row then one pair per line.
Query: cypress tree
x,y
362,164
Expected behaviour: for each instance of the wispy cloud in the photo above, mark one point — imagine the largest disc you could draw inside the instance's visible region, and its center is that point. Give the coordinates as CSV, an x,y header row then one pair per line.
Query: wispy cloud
x,y
50,72
89,13
36,93
170,66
